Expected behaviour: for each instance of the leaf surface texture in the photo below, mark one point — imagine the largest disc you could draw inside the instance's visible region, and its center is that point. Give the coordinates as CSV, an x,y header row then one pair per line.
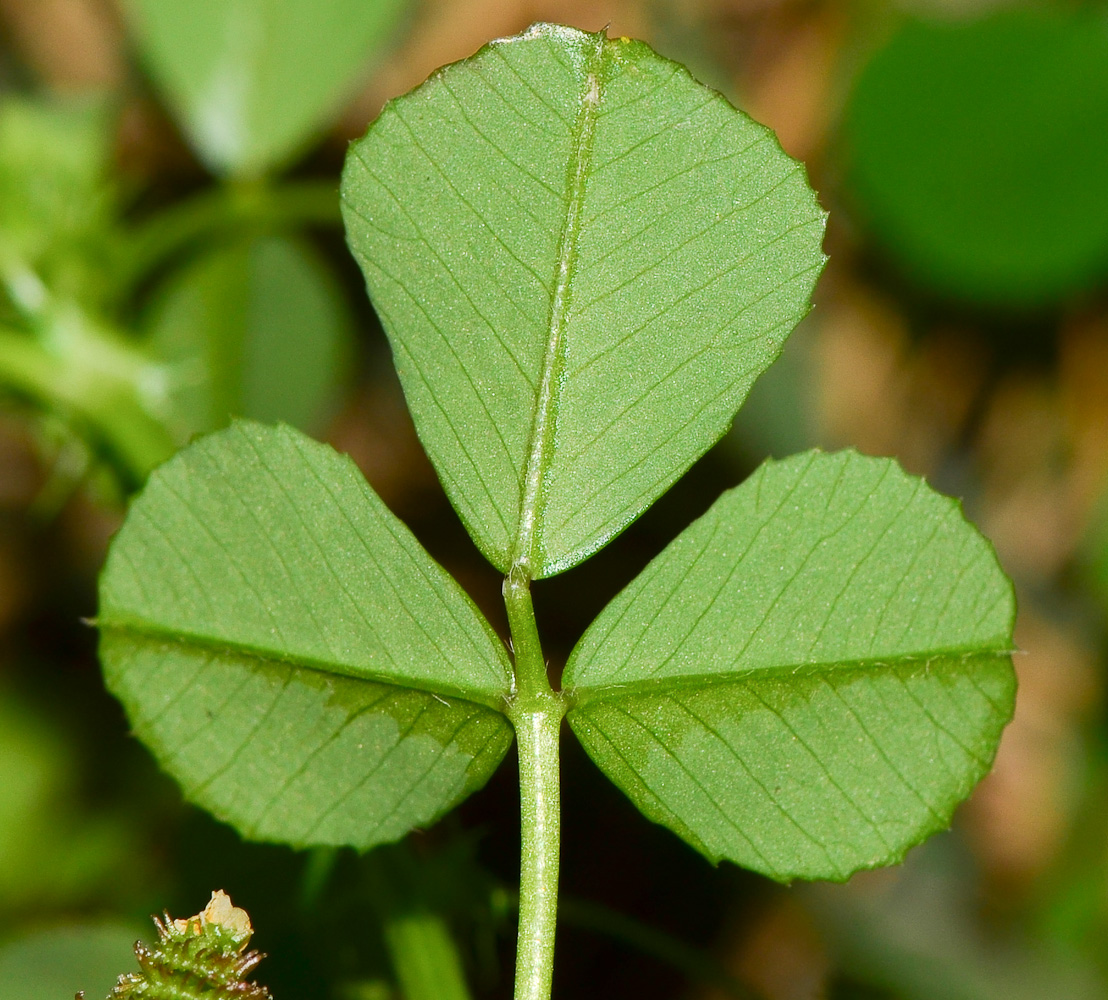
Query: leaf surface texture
x,y
289,651
811,676
583,259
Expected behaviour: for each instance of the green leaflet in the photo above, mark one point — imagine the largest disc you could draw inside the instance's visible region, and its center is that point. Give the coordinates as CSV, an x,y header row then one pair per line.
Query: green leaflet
x,y
257,329
288,650
811,676
253,80
583,259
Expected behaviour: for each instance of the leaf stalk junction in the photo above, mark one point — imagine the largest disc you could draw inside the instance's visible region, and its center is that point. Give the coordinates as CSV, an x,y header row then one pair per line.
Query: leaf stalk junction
x,y
536,713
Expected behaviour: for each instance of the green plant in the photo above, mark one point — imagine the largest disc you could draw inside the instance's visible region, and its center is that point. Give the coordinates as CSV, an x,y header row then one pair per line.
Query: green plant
x,y
130,336
197,957
583,260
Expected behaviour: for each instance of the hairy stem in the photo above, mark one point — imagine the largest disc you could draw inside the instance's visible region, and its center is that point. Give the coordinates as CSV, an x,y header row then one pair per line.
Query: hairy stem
x,y
537,736
536,713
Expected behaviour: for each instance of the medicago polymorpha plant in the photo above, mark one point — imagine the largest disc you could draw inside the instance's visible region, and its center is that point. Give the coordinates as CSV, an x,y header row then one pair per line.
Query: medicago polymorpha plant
x,y
583,259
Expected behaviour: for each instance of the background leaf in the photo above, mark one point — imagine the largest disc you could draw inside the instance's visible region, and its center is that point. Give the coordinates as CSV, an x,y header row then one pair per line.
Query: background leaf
x,y
288,650
55,198
583,259
252,80
54,851
258,330
811,677
976,152
54,964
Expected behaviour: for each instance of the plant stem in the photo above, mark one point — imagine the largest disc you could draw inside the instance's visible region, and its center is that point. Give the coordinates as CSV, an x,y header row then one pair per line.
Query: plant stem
x,y
530,667
94,380
226,210
424,956
536,713
537,736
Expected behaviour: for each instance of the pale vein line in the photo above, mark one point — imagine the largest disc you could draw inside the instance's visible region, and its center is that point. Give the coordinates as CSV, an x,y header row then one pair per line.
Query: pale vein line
x,y
630,597
638,723
771,797
646,496
369,549
666,378
738,564
183,560
421,241
972,755
503,153
905,576
818,760
293,579
248,738
787,585
546,403
176,698
756,252
665,130
326,742
409,356
449,272
586,693
512,105
138,579
848,580
486,223
660,604
881,750
955,584
631,199
499,52
680,207
437,760
164,635
643,95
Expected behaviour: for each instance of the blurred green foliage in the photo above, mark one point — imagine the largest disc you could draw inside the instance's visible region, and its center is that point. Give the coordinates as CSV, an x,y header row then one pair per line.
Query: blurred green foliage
x,y
252,81
246,316
55,197
977,151
48,963
275,329
54,852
